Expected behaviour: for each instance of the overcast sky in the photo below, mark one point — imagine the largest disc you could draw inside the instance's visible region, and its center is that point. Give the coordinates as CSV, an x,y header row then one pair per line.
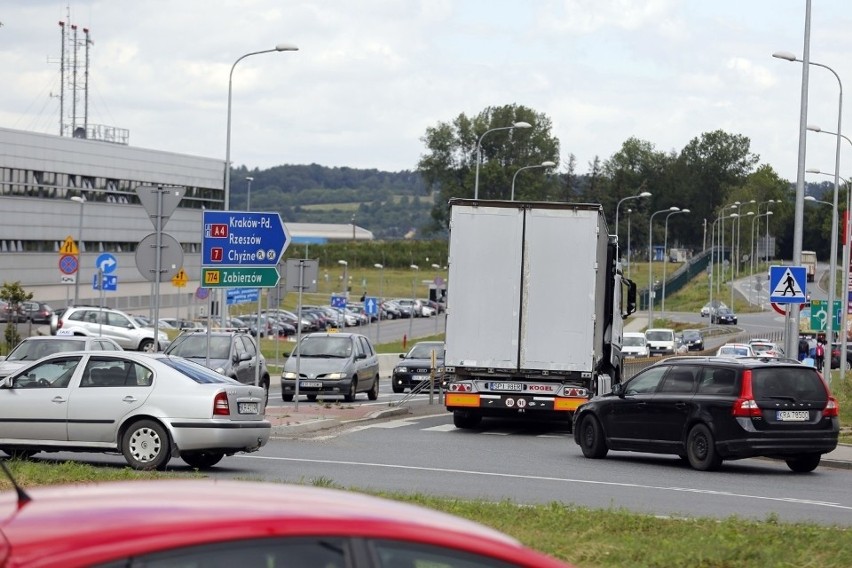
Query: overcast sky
x,y
371,75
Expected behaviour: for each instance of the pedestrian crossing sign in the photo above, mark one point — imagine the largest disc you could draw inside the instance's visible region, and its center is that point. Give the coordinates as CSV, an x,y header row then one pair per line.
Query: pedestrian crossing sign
x,y
787,284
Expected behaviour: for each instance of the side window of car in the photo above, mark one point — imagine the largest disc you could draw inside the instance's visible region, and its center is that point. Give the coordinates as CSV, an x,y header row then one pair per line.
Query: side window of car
x,y
646,382
239,346
717,381
248,345
365,346
117,320
81,315
679,380
55,373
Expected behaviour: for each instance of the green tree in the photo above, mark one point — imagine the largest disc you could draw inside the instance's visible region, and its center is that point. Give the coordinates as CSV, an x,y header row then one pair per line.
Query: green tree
x,y
449,165
13,294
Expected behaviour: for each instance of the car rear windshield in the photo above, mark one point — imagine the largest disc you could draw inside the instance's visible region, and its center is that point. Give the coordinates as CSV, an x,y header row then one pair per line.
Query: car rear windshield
x,y
194,371
660,336
631,341
32,350
799,383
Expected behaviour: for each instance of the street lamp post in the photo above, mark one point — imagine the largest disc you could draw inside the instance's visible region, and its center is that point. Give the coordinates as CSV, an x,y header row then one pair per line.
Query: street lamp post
x,y
82,201
546,164
833,264
223,306
381,268
753,252
832,284
651,263
249,179
629,211
714,235
666,258
413,298
733,205
345,265
739,220
617,205
479,151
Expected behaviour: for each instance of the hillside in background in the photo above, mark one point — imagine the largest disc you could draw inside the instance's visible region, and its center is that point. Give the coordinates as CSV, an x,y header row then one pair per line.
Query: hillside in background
x,y
393,205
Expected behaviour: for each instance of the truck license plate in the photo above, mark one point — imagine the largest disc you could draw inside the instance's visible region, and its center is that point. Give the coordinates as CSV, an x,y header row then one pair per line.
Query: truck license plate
x,y
512,387
247,408
793,415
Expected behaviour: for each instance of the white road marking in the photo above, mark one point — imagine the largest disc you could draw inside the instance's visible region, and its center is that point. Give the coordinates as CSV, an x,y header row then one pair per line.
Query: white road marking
x,y
827,504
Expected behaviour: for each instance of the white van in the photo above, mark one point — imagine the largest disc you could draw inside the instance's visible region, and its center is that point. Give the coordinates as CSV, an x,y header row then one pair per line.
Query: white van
x,y
634,344
661,341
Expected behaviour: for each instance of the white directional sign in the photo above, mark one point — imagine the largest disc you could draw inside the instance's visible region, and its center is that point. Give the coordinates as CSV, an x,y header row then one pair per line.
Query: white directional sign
x,y
787,284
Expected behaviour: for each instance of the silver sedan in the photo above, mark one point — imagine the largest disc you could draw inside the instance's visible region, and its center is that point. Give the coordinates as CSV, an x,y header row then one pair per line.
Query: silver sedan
x,y
148,407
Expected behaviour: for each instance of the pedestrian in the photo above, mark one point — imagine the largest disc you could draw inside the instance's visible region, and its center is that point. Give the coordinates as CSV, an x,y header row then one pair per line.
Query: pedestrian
x,y
804,348
819,354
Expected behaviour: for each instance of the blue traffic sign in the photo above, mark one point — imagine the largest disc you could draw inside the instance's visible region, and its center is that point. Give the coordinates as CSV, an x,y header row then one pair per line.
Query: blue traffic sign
x,y
371,306
788,284
241,295
109,283
106,263
338,301
235,238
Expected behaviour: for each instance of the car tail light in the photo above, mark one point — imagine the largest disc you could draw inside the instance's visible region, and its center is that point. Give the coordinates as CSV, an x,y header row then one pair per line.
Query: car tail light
x,y
831,407
745,405
59,324
220,405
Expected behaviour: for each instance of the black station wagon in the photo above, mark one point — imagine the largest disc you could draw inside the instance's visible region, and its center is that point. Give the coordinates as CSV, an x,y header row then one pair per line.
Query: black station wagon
x,y
709,409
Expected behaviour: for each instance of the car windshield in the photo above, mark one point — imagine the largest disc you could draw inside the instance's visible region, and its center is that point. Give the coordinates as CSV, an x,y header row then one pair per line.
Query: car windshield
x,y
195,346
32,350
194,371
659,336
325,346
424,351
632,341
690,335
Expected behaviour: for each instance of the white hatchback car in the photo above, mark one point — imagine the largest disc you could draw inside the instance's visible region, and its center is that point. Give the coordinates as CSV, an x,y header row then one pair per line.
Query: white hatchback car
x,y
634,344
735,350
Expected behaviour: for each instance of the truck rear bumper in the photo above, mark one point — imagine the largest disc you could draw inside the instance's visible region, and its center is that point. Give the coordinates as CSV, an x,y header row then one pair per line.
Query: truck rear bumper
x,y
502,403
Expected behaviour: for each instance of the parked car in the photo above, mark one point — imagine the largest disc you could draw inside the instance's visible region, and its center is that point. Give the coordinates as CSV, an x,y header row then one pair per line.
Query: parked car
x,y
37,346
661,341
7,313
147,406
231,353
331,363
391,310
693,339
106,322
36,312
178,323
710,409
215,523
634,345
416,366
735,350
723,316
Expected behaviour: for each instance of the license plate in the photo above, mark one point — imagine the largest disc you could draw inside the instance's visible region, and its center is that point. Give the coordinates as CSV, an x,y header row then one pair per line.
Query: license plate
x,y
513,387
793,415
420,378
310,384
247,408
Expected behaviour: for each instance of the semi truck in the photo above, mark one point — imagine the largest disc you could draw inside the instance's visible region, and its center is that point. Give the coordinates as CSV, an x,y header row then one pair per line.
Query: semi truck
x,y
809,261
535,308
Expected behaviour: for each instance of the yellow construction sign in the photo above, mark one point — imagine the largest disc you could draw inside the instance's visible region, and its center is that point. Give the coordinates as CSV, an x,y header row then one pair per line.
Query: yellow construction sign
x,y
69,246
180,279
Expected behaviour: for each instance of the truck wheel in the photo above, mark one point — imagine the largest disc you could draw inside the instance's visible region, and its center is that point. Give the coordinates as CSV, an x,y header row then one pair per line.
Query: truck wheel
x,y
466,419
701,449
592,438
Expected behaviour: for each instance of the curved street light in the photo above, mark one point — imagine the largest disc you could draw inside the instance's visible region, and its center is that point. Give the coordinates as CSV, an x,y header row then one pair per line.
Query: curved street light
x,y
520,124
832,288
617,205
223,305
546,164
651,263
666,258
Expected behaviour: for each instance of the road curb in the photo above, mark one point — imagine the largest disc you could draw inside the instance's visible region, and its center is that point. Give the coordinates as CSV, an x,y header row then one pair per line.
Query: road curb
x,y
318,423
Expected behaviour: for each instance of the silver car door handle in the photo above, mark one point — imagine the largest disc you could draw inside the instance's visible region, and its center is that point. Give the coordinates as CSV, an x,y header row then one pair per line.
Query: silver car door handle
x,y
129,398
58,399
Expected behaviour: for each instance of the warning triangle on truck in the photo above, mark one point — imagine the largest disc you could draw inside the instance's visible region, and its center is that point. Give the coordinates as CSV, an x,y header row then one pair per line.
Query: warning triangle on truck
x,y
788,287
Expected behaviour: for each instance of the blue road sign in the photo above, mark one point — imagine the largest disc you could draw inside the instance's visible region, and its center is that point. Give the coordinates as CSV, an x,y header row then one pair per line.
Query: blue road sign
x,y
788,284
109,283
338,301
106,263
235,238
241,295
371,306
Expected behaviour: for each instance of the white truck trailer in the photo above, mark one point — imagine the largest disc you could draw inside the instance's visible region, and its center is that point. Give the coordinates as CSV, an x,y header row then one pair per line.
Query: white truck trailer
x,y
535,308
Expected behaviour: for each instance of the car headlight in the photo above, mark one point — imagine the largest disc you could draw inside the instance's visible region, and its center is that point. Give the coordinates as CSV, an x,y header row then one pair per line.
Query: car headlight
x,y
401,370
290,375
335,376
